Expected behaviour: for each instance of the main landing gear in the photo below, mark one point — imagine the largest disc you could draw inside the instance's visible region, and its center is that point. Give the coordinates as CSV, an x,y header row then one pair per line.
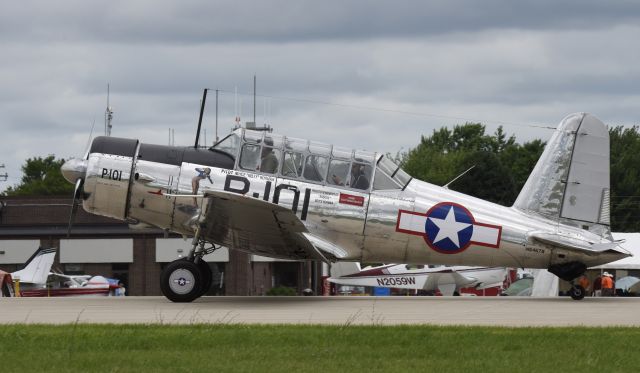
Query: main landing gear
x,y
187,279
569,272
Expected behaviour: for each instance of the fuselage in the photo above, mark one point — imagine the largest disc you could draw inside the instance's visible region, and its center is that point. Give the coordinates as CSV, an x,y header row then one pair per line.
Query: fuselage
x,y
395,219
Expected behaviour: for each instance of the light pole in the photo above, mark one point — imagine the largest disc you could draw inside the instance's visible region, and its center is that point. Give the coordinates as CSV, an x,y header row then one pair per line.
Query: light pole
x,y
3,177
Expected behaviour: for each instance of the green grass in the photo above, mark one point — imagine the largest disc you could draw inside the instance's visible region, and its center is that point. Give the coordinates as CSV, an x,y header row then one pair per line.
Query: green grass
x,y
251,348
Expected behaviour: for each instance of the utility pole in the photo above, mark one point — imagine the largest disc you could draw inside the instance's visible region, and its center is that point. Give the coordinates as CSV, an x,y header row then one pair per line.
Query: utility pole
x,y
5,176
216,138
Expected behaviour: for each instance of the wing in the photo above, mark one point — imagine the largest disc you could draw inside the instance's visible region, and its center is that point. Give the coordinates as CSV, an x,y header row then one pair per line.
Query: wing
x,y
256,226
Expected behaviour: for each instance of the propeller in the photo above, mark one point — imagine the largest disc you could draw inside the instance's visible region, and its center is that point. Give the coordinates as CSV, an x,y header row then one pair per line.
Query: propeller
x,y
74,170
77,194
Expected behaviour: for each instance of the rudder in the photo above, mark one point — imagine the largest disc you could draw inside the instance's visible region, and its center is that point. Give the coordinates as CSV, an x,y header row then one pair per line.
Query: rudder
x,y
37,267
571,182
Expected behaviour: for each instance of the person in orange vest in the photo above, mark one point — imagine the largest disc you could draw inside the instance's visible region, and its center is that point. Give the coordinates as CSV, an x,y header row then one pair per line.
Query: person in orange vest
x,y
584,282
607,285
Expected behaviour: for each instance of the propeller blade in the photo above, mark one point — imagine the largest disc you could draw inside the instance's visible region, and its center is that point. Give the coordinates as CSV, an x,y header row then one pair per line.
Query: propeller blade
x,y
86,152
77,193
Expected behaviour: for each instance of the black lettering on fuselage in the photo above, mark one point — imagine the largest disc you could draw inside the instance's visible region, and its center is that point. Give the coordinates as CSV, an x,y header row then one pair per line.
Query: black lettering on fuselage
x,y
296,195
391,281
110,173
245,184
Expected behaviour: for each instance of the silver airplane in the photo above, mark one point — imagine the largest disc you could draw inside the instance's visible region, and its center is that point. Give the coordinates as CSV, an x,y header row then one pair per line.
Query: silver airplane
x,y
289,198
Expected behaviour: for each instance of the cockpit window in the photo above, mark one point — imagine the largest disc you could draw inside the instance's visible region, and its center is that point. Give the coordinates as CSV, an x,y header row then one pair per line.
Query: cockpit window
x,y
292,165
338,172
269,160
390,176
229,145
250,158
360,175
315,167
260,158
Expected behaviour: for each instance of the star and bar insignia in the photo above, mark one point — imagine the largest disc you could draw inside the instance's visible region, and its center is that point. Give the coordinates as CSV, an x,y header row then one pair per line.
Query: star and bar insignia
x,y
449,228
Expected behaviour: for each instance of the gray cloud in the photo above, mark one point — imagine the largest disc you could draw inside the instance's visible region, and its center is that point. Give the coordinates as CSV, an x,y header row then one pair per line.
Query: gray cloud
x,y
192,22
395,70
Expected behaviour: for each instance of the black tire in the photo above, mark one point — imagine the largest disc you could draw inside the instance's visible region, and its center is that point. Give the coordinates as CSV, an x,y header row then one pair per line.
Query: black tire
x,y
577,292
207,276
181,281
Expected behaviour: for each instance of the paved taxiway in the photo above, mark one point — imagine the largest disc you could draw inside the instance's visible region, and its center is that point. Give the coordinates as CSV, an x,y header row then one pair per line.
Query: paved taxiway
x,y
505,311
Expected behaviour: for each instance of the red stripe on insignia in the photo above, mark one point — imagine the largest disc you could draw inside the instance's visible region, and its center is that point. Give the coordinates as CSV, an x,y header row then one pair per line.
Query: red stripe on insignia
x,y
350,199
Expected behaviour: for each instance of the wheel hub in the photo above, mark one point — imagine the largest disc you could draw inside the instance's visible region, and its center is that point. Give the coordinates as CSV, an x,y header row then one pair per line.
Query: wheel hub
x,y
181,281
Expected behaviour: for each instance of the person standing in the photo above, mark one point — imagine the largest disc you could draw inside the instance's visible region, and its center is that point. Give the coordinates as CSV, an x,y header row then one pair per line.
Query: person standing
x,y
607,285
584,282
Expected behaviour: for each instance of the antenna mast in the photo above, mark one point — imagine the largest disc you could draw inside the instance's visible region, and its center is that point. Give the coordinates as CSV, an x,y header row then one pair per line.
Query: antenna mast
x,y
108,116
204,100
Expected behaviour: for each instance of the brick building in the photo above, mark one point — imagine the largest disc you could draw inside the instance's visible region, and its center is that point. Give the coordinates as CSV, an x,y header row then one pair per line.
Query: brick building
x,y
136,256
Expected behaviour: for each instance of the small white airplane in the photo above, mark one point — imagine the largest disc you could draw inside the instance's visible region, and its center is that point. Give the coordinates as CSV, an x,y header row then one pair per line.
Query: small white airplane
x,y
448,280
34,274
289,198
37,280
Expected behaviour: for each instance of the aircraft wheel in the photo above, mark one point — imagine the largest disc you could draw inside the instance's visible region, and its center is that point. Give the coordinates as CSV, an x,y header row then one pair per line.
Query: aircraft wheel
x,y
577,292
181,281
207,276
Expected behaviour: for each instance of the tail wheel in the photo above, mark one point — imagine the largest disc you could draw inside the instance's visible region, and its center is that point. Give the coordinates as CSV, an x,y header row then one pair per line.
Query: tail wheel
x,y
207,276
577,292
181,281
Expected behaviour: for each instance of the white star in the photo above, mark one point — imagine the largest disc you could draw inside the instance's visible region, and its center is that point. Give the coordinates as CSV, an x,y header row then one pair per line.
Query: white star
x,y
448,228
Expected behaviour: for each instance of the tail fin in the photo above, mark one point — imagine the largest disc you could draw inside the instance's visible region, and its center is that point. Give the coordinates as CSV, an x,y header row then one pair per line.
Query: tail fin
x,y
570,182
37,267
340,269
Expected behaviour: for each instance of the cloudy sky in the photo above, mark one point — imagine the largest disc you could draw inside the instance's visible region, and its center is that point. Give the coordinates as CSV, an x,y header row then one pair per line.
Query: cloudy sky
x,y
371,75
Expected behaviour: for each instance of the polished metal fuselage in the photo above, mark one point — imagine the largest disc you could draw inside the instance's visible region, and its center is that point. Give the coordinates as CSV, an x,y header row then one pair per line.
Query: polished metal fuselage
x,y
363,224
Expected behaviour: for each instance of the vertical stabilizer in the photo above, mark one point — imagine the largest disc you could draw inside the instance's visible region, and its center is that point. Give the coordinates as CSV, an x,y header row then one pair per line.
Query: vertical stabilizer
x,y
37,268
340,269
570,182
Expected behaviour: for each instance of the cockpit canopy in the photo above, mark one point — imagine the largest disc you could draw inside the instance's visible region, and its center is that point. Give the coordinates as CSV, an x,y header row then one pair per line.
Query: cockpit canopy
x,y
315,162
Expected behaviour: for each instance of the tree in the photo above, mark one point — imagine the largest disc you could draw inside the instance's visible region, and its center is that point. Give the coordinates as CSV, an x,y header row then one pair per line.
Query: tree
x,y
625,179
501,165
41,176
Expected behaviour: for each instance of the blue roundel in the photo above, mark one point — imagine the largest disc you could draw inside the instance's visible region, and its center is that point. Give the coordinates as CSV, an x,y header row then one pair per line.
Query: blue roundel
x,y
448,228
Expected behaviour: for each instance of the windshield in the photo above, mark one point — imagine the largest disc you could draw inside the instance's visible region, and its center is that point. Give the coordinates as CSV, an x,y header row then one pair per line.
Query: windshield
x,y
389,175
229,145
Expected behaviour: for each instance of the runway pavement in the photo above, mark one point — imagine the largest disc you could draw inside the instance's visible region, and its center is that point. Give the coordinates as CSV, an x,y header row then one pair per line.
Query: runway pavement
x,y
503,311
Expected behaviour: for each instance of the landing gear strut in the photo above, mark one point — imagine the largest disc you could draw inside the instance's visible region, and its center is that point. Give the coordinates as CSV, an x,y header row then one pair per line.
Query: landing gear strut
x,y
187,279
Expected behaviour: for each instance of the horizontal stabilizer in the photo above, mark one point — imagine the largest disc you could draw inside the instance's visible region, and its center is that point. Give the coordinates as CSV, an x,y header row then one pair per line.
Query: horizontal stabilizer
x,y
574,244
